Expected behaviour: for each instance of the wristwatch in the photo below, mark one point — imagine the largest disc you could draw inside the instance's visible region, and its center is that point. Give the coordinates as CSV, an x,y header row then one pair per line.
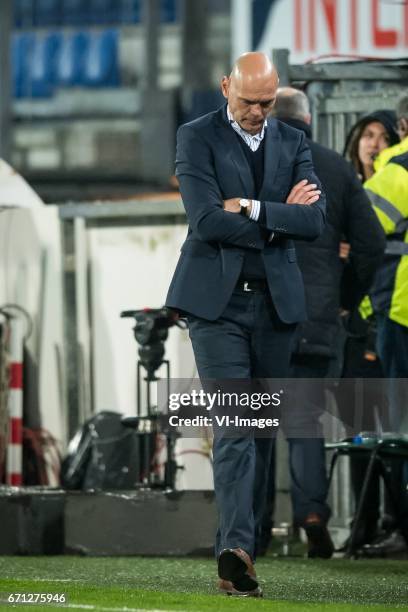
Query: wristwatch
x,y
244,203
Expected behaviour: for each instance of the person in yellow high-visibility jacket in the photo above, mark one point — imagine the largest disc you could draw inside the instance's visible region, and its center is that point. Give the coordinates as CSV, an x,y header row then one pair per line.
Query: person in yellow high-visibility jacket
x,y
388,192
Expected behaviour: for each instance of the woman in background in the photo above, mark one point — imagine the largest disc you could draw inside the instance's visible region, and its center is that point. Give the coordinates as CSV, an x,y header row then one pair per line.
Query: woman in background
x,y
367,138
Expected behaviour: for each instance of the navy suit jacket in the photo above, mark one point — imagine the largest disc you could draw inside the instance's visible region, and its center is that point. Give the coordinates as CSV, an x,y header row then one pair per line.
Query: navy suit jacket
x,y
211,167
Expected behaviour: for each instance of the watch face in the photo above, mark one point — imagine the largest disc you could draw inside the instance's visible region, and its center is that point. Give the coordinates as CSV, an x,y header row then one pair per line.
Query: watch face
x,y
244,202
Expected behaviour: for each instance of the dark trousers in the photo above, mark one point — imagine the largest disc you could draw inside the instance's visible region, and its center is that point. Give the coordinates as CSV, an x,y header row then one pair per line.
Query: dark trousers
x,y
307,459
392,346
307,462
247,341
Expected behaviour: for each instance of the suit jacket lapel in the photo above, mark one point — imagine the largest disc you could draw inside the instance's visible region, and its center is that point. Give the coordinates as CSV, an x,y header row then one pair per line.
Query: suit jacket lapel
x,y
234,150
271,157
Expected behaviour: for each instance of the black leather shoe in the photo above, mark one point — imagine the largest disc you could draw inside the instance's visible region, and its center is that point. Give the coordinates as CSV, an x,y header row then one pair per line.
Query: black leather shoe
x,y
393,544
237,574
319,542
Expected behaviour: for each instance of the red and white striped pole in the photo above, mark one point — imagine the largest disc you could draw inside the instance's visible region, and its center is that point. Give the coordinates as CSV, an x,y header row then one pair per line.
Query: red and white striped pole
x,y
14,473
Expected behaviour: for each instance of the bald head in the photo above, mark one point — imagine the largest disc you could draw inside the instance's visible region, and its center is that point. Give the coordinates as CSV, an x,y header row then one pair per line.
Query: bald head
x,y
251,90
292,103
253,67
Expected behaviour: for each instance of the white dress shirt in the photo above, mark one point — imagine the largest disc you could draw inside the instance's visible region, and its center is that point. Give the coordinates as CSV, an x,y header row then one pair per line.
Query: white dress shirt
x,y
253,141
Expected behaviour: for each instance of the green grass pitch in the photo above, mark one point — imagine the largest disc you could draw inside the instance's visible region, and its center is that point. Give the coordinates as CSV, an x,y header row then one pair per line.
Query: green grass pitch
x,y
184,584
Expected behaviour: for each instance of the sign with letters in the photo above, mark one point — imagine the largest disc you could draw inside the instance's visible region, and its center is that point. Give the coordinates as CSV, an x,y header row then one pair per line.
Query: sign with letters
x,y
322,28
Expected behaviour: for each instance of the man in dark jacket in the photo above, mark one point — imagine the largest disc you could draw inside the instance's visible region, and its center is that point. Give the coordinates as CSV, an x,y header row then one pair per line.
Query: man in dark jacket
x,y
350,217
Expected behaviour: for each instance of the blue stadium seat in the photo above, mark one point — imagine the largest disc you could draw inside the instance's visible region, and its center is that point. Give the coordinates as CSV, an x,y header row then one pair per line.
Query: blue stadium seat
x,y
101,66
21,50
47,13
75,12
168,11
43,64
104,11
23,13
70,59
130,11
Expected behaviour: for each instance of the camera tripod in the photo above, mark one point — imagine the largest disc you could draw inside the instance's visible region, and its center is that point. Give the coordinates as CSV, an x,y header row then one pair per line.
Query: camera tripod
x,y
151,331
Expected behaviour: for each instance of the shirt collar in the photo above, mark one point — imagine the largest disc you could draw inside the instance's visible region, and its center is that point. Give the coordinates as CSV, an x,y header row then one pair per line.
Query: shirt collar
x,y
239,129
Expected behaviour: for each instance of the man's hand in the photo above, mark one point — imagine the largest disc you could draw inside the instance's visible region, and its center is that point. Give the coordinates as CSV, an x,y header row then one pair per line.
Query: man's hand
x,y
303,193
233,205
344,250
